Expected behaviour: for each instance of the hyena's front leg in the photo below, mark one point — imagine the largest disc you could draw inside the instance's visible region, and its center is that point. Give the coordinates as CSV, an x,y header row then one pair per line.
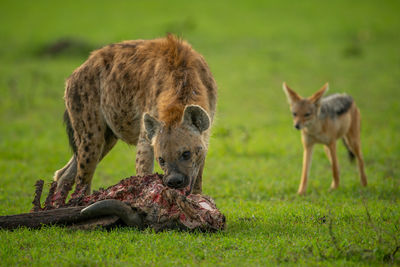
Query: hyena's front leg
x,y
198,186
144,156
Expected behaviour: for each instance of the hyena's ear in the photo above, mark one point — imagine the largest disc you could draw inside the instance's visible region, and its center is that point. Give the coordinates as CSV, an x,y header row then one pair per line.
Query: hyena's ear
x,y
196,117
316,97
291,95
151,124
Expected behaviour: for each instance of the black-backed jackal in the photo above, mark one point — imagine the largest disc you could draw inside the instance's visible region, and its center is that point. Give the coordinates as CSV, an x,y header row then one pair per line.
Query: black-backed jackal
x,y
323,121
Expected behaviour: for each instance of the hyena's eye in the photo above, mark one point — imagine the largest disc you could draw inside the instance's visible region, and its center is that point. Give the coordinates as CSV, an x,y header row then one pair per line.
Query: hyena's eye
x,y
161,161
185,155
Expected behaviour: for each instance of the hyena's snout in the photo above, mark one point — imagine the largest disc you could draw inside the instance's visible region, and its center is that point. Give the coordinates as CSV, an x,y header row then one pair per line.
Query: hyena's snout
x,y
176,180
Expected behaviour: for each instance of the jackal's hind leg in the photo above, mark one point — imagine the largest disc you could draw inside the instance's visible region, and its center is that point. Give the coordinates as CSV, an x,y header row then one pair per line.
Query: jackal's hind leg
x,y
354,144
328,154
353,140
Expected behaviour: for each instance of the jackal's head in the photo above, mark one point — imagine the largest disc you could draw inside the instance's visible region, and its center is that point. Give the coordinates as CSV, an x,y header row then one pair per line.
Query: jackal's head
x,y
304,110
180,149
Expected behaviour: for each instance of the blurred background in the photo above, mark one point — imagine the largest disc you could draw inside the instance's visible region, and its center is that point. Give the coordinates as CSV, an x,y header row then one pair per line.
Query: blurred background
x,y
251,48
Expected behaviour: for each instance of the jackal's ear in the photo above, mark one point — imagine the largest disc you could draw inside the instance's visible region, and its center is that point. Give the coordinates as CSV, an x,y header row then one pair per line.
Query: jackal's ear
x,y
317,96
151,124
291,95
196,117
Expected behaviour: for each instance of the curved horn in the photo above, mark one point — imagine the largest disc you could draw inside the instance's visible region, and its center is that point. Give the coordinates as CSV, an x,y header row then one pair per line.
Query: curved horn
x,y
114,207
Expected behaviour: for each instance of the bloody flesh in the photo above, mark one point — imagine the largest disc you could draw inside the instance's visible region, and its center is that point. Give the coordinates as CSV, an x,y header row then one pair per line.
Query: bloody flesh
x,y
161,207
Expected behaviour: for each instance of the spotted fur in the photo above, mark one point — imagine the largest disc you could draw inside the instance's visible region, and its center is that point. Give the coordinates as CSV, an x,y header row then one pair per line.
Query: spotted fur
x,y
108,96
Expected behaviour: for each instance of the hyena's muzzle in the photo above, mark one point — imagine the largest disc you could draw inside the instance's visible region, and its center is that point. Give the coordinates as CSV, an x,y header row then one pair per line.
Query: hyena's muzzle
x,y
181,178
176,179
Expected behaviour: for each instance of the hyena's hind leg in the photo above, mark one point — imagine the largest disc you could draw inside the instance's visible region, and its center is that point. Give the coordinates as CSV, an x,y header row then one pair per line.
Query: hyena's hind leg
x,y
144,156
65,177
90,137
106,140
110,141
353,141
92,149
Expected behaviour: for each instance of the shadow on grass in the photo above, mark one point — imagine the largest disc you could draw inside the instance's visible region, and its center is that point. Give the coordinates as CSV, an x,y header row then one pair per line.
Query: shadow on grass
x,y
65,46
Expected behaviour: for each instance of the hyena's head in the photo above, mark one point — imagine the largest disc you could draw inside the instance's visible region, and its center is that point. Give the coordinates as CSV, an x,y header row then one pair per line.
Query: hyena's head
x,y
304,110
180,150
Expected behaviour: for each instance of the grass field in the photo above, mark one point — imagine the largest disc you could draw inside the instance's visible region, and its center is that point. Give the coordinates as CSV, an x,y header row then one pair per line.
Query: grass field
x,y
254,161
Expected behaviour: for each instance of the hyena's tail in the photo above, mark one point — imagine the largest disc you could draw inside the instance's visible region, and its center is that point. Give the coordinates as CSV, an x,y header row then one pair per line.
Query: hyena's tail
x,y
351,154
68,172
70,132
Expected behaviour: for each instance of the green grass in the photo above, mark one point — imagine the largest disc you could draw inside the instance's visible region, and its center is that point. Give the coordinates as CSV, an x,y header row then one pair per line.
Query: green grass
x,y
254,162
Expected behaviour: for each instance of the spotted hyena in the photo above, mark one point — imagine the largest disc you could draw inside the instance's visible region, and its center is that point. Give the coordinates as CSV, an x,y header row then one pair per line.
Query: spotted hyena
x,y
156,94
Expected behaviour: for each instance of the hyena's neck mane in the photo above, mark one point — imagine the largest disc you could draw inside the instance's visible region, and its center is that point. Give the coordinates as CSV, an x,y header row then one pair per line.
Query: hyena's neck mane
x,y
185,83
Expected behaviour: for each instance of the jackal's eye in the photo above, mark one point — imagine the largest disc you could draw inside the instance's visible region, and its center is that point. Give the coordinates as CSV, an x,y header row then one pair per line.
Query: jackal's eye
x,y
307,114
185,155
161,161
294,114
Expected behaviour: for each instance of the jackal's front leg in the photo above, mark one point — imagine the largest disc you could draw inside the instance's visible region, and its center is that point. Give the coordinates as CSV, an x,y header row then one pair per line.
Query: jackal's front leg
x,y
307,155
144,156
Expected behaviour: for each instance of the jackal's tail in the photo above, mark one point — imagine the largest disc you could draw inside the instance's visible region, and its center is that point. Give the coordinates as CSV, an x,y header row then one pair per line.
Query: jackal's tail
x,y
351,154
